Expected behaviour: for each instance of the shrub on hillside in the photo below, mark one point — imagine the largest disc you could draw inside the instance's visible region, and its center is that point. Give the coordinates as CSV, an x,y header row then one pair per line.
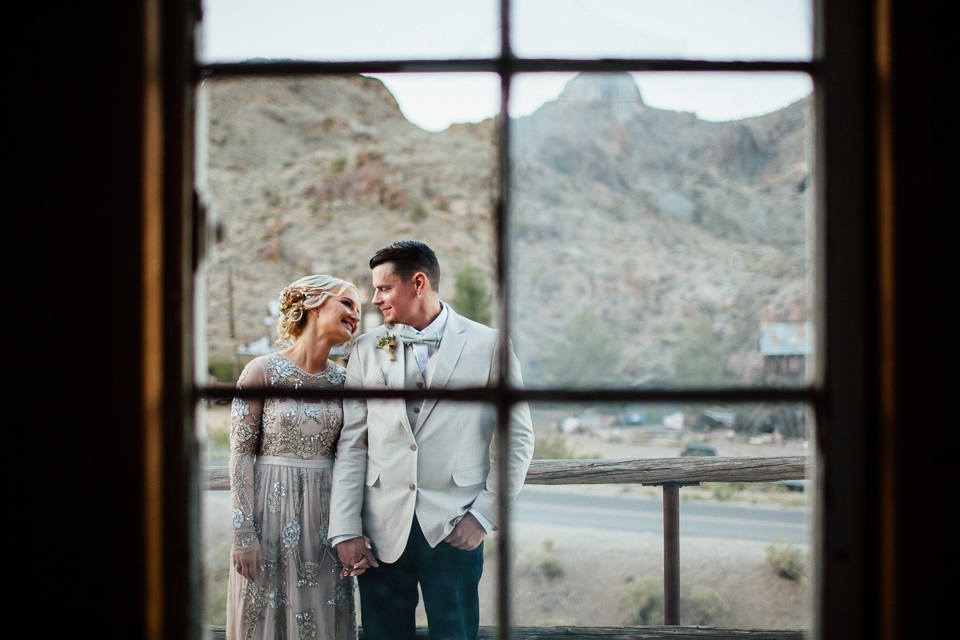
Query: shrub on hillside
x,y
704,607
644,598
787,559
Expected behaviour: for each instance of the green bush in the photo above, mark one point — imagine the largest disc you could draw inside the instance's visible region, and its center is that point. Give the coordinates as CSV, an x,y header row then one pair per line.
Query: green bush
x,y
221,369
472,297
216,575
703,608
551,569
541,564
551,445
337,165
273,199
644,598
726,490
700,359
788,560
589,354
418,212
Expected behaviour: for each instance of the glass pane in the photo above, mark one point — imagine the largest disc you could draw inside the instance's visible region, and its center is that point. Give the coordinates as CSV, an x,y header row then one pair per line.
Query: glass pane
x,y
653,247
236,30
592,554
687,29
313,175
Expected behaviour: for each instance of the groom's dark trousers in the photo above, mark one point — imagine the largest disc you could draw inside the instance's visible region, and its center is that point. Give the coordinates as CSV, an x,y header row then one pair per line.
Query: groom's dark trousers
x,y
449,579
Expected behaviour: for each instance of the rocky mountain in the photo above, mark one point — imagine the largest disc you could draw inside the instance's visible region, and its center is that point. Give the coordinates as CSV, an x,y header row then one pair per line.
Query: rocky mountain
x,y
644,226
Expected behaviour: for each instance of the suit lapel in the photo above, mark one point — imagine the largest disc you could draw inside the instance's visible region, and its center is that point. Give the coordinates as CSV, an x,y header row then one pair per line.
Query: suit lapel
x,y
447,356
395,373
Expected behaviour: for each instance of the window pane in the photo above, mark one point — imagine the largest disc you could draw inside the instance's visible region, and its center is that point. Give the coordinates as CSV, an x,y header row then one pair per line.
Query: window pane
x,y
688,29
651,247
368,30
592,554
313,175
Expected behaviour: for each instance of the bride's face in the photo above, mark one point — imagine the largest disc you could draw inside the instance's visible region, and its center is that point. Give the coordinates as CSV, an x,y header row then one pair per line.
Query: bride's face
x,y
339,316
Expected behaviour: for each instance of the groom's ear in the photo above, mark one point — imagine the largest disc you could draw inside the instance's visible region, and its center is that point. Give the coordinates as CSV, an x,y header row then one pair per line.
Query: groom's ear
x,y
420,281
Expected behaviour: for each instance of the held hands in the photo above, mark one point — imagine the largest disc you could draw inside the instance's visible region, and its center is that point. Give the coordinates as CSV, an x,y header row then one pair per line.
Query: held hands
x,y
356,555
249,564
467,534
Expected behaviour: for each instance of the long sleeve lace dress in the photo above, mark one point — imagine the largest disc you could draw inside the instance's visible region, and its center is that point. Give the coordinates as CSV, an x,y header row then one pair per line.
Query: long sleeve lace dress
x,y
281,462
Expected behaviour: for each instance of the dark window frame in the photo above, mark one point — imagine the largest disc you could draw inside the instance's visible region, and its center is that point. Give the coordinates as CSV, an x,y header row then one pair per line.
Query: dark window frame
x,y
840,394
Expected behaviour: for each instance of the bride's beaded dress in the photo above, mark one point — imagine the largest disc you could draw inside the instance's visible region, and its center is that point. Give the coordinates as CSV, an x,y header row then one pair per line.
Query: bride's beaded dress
x,y
281,461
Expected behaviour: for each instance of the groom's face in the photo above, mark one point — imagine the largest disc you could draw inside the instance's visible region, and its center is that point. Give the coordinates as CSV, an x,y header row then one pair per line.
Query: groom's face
x,y
396,299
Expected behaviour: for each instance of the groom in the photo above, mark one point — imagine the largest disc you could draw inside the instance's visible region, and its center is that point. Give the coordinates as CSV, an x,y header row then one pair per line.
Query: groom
x,y
415,476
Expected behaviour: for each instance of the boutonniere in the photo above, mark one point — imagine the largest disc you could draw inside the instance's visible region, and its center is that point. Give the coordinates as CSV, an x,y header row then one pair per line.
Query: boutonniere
x,y
388,343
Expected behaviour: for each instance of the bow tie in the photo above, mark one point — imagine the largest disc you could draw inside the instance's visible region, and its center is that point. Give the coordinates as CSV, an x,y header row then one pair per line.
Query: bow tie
x,y
410,336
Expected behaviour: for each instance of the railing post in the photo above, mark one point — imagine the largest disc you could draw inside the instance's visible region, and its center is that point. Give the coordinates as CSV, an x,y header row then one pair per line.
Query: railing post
x,y
671,554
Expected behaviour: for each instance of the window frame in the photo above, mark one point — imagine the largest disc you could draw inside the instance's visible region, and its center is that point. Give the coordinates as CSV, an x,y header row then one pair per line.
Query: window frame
x,y
844,245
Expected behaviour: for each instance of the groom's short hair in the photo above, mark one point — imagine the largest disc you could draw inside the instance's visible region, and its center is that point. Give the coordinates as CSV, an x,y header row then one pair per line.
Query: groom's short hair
x,y
408,257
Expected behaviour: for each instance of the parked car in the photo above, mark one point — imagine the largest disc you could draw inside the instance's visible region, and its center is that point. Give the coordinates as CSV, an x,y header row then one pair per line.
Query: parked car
x,y
794,485
698,449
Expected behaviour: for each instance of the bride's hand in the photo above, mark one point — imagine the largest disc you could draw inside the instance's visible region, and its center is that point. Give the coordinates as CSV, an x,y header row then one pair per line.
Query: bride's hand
x,y
249,564
356,561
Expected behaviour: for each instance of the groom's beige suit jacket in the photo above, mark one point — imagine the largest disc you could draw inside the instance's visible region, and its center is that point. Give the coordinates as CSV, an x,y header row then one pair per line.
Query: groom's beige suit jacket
x,y
389,470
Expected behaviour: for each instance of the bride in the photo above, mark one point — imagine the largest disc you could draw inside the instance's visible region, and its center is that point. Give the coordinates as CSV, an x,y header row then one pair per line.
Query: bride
x,y
287,582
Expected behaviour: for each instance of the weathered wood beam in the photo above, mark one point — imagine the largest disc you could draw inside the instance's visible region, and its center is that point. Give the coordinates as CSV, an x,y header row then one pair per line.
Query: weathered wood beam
x,y
634,470
666,470
616,633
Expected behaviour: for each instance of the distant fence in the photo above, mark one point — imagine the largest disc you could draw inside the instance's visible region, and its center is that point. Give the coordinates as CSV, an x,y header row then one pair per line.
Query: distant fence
x,y
669,473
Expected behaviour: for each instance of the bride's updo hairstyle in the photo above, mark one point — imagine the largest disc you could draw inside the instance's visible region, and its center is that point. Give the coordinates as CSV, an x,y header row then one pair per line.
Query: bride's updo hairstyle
x,y
309,292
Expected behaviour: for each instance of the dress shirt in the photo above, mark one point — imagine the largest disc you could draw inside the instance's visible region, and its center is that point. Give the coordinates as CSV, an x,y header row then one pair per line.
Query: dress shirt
x,y
423,352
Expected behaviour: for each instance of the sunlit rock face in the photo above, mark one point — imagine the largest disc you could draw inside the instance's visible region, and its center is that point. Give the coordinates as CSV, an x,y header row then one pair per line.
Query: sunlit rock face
x,y
652,219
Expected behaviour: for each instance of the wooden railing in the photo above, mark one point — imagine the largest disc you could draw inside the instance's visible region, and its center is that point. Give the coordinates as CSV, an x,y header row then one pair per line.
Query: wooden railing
x,y
669,473
650,471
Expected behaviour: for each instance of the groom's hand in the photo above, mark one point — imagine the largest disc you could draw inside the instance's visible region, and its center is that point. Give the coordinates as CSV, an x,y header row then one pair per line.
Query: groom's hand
x,y
356,556
467,534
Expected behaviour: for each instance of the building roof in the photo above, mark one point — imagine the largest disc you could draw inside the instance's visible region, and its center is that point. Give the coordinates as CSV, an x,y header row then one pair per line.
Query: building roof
x,y
786,339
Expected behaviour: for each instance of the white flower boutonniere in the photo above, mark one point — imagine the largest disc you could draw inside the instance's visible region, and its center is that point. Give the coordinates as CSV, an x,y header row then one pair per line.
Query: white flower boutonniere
x,y
388,343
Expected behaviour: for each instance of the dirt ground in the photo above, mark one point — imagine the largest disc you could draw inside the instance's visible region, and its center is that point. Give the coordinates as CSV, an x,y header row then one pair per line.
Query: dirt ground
x,y
582,576
597,567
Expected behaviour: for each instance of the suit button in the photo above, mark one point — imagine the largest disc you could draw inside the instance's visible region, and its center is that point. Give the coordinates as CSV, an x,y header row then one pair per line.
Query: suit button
x,y
413,487
417,410
419,385
413,447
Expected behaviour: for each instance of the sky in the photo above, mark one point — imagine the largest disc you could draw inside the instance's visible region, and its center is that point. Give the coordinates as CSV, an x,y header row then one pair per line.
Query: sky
x,y
423,29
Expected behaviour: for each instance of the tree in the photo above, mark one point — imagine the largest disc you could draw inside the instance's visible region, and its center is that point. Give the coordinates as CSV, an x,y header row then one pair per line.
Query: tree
x,y
590,354
699,359
472,298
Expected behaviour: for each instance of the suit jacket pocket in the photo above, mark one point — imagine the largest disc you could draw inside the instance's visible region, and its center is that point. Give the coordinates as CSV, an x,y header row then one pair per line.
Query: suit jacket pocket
x,y
471,476
373,477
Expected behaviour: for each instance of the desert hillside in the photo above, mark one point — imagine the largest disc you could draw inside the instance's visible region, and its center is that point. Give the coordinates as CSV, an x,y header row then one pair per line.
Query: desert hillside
x,y
650,230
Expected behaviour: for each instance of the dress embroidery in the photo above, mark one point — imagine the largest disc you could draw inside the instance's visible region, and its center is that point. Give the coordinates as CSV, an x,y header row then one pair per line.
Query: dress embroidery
x,y
283,509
